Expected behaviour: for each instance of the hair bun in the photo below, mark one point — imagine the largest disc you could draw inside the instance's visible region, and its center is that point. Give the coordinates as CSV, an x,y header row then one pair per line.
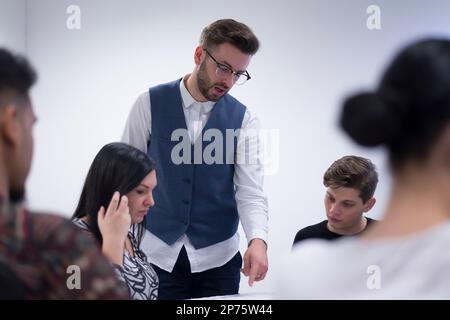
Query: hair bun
x,y
369,120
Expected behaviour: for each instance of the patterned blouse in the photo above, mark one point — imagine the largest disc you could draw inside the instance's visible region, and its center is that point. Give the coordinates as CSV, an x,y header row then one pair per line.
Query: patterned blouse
x,y
136,271
38,256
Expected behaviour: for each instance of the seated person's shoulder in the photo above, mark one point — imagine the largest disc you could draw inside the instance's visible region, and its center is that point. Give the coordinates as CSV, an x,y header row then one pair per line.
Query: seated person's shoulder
x,y
60,244
370,221
52,227
49,221
312,231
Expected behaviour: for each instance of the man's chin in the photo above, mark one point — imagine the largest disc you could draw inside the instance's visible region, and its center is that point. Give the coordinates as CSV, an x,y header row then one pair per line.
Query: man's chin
x,y
334,222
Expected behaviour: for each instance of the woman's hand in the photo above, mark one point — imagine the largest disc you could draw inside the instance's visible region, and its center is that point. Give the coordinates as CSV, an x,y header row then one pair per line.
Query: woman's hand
x,y
114,226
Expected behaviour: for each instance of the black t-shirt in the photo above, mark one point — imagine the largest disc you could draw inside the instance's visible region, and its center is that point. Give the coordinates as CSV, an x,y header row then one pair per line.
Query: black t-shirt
x,y
320,231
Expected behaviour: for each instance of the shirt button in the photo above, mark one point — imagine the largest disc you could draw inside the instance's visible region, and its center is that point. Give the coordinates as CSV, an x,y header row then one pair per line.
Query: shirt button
x,y
187,180
186,201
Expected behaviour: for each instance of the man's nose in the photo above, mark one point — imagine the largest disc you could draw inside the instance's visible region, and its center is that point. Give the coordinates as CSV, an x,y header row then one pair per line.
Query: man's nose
x,y
334,210
228,81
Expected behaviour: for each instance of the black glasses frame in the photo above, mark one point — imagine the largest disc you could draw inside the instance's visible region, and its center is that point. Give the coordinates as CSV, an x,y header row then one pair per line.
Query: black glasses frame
x,y
221,66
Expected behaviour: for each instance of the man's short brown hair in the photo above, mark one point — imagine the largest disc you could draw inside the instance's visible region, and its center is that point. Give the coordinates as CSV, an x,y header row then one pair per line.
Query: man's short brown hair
x,y
232,32
353,172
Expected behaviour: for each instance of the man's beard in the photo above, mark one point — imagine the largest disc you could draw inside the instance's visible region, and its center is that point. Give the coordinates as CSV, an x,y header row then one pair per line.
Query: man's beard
x,y
204,84
16,195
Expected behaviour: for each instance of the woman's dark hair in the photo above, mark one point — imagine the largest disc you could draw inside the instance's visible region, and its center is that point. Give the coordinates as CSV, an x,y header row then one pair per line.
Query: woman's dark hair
x,y
410,107
116,167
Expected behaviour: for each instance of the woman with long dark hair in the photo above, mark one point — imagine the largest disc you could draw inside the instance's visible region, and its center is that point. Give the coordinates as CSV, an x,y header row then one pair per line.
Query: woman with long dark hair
x,y
115,199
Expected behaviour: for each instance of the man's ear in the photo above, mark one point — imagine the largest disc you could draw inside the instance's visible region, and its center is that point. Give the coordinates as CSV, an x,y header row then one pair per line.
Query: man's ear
x,y
369,204
198,55
9,125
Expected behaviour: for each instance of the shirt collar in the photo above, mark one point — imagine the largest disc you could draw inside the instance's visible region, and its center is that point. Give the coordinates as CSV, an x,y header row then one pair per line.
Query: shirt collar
x,y
189,101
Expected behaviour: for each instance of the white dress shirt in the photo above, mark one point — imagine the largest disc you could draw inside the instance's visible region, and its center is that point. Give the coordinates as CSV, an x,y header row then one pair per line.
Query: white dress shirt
x,y
248,179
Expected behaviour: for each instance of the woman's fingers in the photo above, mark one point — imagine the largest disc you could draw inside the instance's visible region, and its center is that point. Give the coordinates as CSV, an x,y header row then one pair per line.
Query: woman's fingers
x,y
112,207
124,211
123,206
115,223
101,215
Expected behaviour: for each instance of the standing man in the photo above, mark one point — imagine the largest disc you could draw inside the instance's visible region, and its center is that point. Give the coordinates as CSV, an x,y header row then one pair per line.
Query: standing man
x,y
192,234
351,182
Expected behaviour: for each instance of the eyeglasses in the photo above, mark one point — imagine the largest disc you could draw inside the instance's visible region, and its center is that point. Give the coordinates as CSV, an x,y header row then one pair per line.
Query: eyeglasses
x,y
223,70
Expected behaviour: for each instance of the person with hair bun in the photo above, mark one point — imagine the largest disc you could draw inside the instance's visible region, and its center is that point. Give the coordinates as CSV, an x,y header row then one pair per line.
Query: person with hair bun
x,y
405,255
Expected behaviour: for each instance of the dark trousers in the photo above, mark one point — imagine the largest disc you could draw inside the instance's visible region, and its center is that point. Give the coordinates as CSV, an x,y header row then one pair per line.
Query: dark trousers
x,y
182,284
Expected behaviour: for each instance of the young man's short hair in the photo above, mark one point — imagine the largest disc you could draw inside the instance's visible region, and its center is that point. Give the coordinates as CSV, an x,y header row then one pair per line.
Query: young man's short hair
x,y
16,77
353,172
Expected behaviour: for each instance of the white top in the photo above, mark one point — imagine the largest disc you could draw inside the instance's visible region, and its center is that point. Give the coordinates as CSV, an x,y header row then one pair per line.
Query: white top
x,y
413,267
248,179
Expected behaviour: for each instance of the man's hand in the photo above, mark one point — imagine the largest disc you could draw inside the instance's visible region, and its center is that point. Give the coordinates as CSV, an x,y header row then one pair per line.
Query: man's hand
x,y
255,261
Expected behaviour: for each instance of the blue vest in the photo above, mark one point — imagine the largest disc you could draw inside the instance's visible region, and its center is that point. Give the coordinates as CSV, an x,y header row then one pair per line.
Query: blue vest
x,y
196,199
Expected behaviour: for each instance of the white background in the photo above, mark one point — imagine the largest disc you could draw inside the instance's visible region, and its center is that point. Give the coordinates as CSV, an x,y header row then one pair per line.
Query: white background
x,y
313,53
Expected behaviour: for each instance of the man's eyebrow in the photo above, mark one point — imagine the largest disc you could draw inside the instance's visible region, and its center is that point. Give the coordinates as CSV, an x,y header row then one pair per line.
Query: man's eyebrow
x,y
229,66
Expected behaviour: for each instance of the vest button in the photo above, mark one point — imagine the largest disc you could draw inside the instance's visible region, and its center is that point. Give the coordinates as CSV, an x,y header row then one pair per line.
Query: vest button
x,y
187,180
186,201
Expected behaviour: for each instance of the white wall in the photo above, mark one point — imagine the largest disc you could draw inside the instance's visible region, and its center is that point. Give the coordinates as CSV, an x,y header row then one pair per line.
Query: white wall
x,y
313,53
13,24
